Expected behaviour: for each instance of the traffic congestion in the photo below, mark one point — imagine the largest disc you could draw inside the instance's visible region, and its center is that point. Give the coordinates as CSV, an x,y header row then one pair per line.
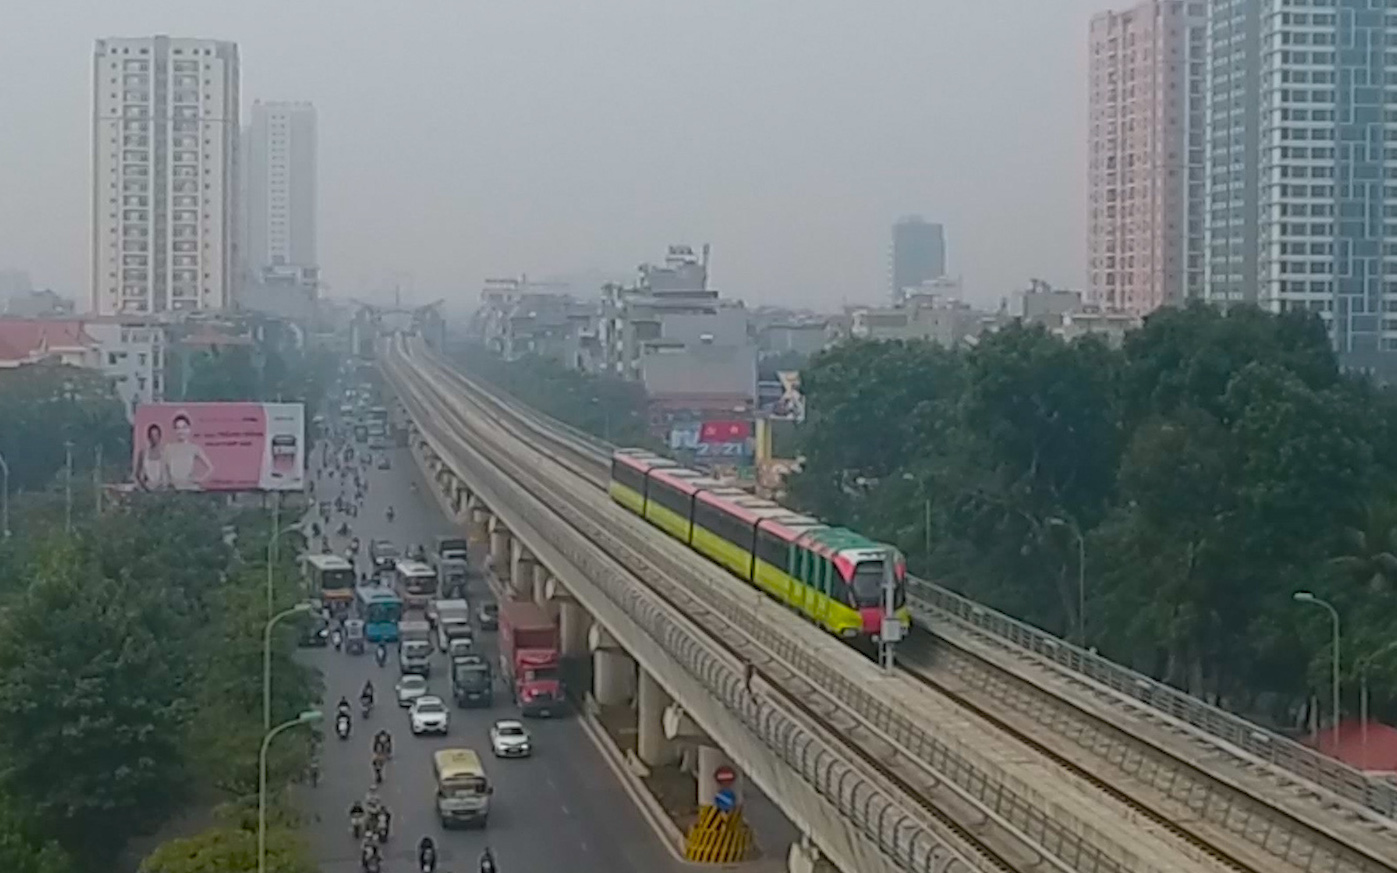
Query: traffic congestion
x,y
406,621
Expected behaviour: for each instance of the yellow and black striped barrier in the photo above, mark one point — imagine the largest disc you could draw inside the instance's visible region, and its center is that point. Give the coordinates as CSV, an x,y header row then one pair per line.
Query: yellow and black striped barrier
x,y
718,837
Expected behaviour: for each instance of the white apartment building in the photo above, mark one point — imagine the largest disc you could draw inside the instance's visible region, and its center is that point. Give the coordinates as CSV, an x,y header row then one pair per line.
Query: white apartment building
x,y
165,169
132,356
281,186
1302,164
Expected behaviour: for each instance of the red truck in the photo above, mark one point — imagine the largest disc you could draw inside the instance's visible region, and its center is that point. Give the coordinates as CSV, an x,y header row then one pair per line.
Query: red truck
x,y
529,657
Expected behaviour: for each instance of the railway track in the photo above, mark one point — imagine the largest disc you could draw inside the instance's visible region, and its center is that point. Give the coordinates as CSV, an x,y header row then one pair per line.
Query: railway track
x,y
1238,830
975,851
1078,844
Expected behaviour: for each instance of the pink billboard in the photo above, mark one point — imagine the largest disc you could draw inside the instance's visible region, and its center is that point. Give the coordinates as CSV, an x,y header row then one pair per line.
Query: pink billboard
x,y
219,447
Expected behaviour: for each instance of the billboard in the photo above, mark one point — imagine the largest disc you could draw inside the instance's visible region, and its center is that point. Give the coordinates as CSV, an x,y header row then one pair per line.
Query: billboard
x,y
219,447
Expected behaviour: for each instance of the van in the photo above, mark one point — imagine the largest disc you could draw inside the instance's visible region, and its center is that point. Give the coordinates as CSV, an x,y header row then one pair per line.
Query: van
x,y
463,789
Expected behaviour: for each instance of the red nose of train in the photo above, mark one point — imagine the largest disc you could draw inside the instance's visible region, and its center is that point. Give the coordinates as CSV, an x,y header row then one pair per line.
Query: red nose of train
x,y
872,620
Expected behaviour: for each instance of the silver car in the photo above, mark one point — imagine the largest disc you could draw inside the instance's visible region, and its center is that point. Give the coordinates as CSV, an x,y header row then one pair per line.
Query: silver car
x,y
410,687
510,739
429,715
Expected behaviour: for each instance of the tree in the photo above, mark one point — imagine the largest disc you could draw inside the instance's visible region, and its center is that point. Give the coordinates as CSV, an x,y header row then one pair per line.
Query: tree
x,y
231,850
44,406
22,850
91,713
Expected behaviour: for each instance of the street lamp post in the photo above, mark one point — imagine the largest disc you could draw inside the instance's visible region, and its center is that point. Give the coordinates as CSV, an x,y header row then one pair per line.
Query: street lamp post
x,y
308,717
272,551
68,487
5,498
267,660
1081,576
1363,665
1308,597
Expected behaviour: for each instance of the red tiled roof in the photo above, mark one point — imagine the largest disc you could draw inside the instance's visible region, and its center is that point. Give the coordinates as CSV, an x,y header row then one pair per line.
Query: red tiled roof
x,y
1381,751
30,339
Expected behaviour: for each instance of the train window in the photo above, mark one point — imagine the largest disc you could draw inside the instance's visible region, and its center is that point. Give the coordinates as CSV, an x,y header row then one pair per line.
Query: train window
x,y
628,476
669,497
773,550
867,584
723,524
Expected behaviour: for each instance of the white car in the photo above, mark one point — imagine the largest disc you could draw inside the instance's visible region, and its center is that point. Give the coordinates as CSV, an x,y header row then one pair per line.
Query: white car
x,y
510,739
411,687
429,715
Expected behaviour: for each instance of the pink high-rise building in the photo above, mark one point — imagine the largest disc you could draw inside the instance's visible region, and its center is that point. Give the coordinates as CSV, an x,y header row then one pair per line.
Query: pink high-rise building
x,y
1146,206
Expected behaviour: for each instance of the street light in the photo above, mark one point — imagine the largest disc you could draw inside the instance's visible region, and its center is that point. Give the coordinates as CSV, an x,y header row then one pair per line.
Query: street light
x,y
1054,521
277,534
926,521
1363,665
267,660
1308,597
308,717
5,498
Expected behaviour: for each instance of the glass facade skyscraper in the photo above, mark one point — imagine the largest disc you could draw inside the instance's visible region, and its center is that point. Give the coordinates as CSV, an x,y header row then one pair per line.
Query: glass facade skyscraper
x,y
1302,162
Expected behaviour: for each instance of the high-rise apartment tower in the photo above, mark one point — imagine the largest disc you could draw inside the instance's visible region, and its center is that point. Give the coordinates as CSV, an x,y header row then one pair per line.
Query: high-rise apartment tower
x,y
1146,155
165,169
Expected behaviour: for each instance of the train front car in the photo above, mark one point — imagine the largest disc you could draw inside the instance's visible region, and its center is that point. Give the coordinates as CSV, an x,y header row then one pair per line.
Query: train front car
x,y
865,576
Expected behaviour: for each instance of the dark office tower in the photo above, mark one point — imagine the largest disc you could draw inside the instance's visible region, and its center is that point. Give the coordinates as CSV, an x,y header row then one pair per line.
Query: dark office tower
x,y
919,254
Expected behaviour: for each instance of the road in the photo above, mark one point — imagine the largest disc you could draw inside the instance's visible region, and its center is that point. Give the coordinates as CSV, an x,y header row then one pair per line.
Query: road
x,y
563,809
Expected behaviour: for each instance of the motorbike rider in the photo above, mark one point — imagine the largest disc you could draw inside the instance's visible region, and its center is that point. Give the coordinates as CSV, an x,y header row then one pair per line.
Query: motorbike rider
x,y
390,513
381,654
370,857
342,708
378,768
427,855
385,821
383,743
487,862
356,818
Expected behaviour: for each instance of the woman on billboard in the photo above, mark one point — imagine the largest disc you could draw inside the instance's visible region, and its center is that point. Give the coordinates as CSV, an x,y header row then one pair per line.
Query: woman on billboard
x,y
185,461
151,472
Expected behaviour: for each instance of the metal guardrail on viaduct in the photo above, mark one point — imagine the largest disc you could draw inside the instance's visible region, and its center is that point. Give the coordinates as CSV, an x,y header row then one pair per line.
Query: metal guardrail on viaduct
x,y
1240,816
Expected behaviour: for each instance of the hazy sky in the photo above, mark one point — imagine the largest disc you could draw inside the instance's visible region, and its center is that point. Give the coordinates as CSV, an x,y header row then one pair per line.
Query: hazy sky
x,y
460,139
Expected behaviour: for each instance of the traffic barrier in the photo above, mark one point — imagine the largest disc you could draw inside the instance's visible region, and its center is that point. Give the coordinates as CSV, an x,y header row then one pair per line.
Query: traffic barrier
x,y
718,837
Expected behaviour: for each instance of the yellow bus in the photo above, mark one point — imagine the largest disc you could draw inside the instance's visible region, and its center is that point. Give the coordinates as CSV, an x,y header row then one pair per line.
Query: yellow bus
x,y
463,789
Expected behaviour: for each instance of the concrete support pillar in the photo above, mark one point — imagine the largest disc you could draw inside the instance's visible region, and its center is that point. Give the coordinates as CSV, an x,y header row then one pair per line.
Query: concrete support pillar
x,y
651,701
538,587
573,625
480,523
613,671
710,758
521,573
499,549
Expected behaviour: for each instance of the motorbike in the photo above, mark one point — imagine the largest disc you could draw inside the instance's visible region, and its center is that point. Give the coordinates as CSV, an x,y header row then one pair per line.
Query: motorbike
x,y
366,707
428,861
342,726
381,656
389,513
382,826
336,638
371,861
356,825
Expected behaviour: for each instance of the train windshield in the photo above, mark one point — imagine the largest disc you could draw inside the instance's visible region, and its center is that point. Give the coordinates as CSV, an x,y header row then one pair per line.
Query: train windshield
x,y
867,586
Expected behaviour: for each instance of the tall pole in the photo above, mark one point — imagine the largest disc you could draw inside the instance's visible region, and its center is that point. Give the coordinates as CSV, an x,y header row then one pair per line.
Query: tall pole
x,y
272,550
927,545
267,661
1081,576
1363,665
5,498
1307,597
891,630
97,479
68,487
1081,589
306,717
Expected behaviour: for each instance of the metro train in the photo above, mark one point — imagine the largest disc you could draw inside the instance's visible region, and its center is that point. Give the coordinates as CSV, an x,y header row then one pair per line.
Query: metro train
x,y
833,576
